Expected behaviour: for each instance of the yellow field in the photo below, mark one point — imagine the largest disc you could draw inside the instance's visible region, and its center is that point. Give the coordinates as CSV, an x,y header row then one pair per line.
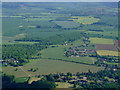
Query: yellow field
x,y
33,79
64,85
107,52
31,26
84,20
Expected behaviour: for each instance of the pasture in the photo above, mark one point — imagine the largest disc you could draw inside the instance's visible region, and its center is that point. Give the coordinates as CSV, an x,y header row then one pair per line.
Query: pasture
x,y
46,66
101,41
67,24
110,34
107,53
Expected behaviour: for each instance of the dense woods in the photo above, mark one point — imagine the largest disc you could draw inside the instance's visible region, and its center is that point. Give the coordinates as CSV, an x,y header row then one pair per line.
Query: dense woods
x,y
20,53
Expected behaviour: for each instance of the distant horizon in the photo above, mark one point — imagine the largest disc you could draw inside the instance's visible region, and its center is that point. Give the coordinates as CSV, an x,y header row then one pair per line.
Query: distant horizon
x,y
60,0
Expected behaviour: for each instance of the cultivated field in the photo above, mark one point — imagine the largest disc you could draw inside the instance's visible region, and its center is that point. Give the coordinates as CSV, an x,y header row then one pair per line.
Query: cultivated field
x,y
107,53
84,20
101,41
106,47
109,34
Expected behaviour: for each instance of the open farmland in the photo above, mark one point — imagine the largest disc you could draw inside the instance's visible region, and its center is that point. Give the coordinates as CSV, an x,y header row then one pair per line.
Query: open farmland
x,y
67,24
46,66
107,53
101,41
106,47
58,53
59,43
84,20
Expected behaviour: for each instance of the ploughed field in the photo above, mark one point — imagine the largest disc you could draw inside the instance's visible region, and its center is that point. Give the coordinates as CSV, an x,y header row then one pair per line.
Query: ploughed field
x,y
106,47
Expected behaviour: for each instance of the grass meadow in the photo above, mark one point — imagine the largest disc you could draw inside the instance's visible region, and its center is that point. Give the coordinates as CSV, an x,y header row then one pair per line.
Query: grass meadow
x,y
46,66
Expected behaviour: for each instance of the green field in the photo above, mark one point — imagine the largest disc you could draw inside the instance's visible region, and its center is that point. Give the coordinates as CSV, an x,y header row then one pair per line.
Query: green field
x,y
58,53
101,41
46,66
67,24
104,34
76,43
21,79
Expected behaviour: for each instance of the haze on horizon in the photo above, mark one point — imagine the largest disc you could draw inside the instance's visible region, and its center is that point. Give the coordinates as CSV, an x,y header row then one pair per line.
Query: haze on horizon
x,y
60,0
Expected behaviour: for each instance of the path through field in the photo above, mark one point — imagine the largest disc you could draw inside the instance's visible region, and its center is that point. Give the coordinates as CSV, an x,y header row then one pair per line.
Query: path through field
x,y
93,60
24,71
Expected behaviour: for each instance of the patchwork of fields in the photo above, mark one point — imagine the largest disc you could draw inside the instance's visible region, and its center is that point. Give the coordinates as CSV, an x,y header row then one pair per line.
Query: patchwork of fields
x,y
58,38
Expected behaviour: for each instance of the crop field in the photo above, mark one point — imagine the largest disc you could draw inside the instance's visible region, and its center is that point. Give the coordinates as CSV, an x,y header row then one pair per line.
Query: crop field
x,y
46,66
101,41
84,20
106,47
107,53
67,24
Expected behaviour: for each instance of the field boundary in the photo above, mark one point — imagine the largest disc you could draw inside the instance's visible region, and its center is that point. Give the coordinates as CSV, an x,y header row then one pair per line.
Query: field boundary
x,y
67,61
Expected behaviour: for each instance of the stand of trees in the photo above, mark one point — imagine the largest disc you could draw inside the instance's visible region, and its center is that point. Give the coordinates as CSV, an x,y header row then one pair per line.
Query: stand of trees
x,y
20,52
